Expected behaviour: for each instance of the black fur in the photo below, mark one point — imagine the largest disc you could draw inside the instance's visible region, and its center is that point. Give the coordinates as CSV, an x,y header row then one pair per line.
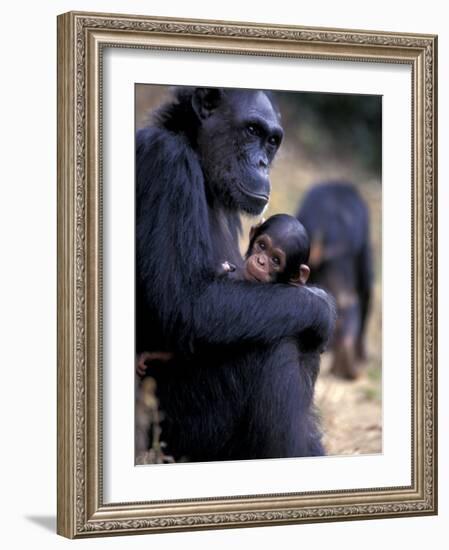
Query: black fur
x,y
235,388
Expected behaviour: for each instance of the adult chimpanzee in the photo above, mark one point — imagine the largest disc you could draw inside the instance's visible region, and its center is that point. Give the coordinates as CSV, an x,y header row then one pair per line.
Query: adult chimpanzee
x,y
337,220
234,389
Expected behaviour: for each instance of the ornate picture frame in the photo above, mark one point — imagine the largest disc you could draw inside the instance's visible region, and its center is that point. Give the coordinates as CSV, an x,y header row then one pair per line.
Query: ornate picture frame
x,y
82,39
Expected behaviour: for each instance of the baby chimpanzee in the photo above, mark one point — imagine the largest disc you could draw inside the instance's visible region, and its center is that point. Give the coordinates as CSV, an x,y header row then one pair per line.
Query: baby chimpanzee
x,y
278,252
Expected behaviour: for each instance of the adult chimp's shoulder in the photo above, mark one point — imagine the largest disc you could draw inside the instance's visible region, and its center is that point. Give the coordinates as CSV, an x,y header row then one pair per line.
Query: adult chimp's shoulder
x,y
165,157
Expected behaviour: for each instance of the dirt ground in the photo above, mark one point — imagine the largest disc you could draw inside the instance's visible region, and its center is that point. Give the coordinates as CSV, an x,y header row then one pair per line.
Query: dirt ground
x,y
351,413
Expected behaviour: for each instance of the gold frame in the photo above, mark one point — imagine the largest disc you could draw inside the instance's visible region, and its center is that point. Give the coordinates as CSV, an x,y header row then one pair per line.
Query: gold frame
x,y
81,38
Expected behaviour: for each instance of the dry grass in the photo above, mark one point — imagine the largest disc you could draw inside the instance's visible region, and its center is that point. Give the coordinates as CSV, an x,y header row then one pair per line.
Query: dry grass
x,y
351,412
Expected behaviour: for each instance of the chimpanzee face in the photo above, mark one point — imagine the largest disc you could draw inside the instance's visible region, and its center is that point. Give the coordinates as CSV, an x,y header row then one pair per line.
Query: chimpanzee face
x,y
238,139
265,260
278,250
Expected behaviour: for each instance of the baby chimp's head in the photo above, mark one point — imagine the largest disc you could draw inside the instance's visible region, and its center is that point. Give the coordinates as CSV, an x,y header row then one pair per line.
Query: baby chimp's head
x,y
278,251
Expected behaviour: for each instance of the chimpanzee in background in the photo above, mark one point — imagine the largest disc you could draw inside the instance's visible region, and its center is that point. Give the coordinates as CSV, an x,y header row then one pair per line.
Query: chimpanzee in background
x,y
337,221
234,388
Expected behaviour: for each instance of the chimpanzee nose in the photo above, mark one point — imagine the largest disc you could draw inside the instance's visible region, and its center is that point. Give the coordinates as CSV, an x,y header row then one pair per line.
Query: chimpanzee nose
x,y
261,260
263,168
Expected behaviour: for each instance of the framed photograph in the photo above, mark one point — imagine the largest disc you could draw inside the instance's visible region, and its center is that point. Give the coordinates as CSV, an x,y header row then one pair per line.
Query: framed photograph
x,y
247,274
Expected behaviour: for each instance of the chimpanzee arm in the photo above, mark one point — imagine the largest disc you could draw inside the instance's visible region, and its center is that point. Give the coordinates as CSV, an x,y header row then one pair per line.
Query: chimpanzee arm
x,y
229,312
175,262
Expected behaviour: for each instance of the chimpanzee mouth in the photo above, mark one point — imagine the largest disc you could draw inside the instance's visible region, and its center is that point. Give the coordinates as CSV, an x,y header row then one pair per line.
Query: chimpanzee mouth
x,y
254,275
252,278
259,196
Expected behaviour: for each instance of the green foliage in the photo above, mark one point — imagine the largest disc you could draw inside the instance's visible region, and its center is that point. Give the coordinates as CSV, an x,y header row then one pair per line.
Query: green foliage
x,y
345,125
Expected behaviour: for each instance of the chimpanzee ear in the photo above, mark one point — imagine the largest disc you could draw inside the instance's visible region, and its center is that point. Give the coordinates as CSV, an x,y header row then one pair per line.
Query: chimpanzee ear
x,y
302,276
254,228
205,101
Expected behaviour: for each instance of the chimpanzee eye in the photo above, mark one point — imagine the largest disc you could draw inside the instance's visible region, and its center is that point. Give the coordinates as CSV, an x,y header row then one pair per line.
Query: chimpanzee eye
x,y
261,245
273,140
253,130
276,260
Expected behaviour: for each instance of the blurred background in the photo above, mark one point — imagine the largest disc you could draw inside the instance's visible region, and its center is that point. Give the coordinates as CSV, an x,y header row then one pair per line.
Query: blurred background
x,y
329,137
